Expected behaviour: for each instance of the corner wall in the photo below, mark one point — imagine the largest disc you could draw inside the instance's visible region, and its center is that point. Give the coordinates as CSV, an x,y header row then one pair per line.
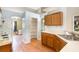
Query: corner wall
x,y
68,13
71,12
58,29
26,30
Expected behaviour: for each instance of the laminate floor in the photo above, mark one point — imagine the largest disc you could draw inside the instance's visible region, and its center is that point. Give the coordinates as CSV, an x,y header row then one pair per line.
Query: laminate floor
x,y
34,46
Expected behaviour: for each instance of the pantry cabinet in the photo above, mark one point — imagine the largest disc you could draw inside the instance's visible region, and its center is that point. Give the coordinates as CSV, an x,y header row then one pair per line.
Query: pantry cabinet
x,y
52,41
55,19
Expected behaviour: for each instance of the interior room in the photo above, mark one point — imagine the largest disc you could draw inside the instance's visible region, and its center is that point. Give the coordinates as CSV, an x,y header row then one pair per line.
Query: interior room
x,y
39,29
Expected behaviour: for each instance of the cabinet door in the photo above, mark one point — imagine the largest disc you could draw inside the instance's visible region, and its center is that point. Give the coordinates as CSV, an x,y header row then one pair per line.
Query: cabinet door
x,y
50,40
53,20
62,43
51,43
48,20
61,18
57,19
56,44
44,38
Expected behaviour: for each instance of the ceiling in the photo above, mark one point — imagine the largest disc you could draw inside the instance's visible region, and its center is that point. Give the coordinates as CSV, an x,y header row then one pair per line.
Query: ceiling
x,y
23,9
35,8
38,10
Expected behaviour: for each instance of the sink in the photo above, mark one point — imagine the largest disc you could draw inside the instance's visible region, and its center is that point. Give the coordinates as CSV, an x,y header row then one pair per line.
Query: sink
x,y
69,37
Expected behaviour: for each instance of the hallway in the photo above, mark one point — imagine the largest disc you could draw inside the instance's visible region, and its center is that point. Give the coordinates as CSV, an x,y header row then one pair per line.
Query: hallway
x,y
34,46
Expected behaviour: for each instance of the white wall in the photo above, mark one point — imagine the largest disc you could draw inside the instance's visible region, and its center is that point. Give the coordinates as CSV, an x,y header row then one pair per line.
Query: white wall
x,y
26,30
68,14
71,12
6,28
19,23
7,14
57,29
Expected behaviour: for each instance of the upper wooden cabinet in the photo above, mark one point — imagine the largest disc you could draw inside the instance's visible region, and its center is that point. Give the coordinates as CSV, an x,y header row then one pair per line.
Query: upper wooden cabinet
x,y
55,19
48,20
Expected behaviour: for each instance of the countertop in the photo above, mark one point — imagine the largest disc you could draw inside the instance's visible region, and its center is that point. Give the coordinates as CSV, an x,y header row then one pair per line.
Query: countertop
x,y
4,41
71,46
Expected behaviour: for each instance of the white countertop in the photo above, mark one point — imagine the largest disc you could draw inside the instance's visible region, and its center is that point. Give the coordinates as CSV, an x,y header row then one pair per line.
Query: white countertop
x,y
71,46
4,41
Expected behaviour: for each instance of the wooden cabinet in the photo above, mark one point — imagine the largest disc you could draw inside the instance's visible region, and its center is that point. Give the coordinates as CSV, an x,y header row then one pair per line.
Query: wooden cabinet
x,y
48,20
52,41
6,48
47,39
58,43
44,38
55,19
62,43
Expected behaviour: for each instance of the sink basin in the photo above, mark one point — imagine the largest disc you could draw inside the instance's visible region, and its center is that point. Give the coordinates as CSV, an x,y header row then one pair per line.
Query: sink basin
x,y
69,37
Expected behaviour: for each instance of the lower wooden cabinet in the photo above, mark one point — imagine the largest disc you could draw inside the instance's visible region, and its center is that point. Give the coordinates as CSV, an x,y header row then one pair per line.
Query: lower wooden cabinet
x,y
47,39
6,48
56,45
44,39
52,41
62,43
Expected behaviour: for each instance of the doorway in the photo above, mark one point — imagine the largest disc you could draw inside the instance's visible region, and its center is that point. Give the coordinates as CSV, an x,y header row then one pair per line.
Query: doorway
x,y
15,27
33,28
